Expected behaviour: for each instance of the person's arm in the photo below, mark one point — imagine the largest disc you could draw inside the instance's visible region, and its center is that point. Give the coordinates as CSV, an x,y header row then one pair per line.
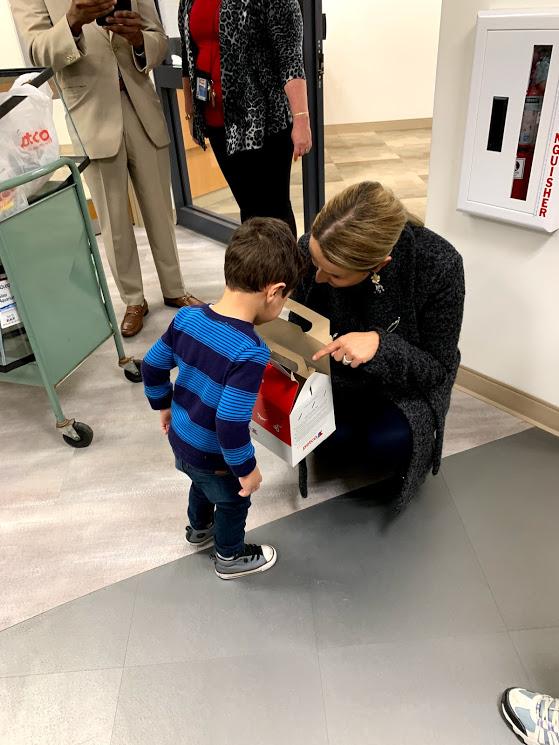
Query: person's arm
x,y
301,135
61,44
185,47
234,411
285,26
394,362
156,367
185,42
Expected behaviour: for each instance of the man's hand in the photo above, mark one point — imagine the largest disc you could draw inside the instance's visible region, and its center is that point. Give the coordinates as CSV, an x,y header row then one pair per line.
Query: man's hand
x,y
165,418
129,25
82,12
250,483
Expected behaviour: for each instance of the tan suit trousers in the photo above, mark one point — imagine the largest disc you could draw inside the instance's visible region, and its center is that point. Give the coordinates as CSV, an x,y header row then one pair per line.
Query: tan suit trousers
x,y
150,173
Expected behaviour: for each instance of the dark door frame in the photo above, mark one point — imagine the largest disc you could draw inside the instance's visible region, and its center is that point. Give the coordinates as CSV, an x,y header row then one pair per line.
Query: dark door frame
x,y
168,79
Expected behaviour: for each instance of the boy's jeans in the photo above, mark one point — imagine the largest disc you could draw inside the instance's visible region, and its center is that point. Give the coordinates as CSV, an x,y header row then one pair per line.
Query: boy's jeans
x,y
214,497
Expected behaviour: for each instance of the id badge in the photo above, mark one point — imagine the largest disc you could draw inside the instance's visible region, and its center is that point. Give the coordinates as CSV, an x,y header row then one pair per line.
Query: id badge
x,y
203,87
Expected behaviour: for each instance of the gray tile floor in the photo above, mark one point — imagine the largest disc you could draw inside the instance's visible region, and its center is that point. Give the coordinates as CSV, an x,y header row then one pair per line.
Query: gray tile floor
x,y
369,630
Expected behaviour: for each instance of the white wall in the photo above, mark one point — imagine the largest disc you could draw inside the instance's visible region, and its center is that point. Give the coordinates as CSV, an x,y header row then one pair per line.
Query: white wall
x,y
10,50
380,57
511,325
169,16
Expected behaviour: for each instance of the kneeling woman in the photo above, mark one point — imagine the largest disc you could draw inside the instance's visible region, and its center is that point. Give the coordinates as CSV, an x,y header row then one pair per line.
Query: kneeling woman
x,y
394,292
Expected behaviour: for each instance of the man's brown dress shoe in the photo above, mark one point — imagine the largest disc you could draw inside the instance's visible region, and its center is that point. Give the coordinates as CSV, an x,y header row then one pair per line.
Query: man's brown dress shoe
x,y
134,319
184,301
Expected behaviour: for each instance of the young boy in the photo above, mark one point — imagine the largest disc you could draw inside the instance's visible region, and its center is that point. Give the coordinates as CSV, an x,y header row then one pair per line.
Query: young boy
x,y
221,361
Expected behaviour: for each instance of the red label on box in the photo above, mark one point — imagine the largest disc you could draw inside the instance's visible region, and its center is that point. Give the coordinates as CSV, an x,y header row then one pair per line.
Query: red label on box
x,y
274,403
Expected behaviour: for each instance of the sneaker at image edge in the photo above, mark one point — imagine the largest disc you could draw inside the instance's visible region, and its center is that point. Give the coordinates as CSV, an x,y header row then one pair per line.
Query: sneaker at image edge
x,y
251,560
533,717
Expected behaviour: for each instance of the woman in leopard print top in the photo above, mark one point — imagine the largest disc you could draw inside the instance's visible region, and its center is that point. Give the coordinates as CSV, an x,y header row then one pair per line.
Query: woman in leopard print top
x,y
256,116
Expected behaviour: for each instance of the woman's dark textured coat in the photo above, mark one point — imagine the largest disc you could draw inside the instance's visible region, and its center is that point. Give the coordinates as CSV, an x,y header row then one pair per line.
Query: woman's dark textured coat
x,y
416,364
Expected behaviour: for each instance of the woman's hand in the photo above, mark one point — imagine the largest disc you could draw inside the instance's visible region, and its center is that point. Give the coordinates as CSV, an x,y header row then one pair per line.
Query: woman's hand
x,y
301,136
356,348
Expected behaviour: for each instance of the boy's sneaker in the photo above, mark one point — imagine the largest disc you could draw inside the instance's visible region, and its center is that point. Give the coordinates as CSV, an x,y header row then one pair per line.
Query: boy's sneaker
x,y
200,538
251,560
533,717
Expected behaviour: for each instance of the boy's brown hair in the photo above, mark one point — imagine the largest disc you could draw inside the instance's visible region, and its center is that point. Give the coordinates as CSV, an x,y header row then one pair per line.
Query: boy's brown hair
x,y
263,252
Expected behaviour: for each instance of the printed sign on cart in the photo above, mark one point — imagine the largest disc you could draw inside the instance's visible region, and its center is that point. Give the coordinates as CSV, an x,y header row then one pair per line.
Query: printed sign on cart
x,y
8,311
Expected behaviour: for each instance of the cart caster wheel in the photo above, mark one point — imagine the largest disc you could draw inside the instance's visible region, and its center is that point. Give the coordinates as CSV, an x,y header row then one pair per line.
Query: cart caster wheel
x,y
135,375
85,433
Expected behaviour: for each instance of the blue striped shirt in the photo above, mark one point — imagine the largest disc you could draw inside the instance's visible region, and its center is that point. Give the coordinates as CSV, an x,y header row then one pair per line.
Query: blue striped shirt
x,y
220,363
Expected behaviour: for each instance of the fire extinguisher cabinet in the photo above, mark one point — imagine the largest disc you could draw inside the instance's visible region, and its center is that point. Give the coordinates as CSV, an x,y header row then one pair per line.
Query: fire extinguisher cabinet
x,y
510,166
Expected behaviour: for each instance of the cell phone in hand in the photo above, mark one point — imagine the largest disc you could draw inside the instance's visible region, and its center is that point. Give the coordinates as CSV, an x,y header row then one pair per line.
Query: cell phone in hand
x,y
120,5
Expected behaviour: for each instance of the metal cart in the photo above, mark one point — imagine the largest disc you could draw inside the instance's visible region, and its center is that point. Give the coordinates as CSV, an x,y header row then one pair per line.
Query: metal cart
x,y
50,257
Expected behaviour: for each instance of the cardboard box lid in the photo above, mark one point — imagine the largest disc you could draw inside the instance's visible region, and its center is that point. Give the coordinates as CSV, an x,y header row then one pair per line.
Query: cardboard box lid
x,y
293,347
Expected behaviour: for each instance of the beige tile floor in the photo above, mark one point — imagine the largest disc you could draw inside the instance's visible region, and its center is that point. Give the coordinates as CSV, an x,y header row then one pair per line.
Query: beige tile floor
x,y
74,521
398,158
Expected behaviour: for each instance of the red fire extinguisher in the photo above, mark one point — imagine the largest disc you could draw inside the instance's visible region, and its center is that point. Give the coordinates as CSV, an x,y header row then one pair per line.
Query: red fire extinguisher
x,y
527,141
531,120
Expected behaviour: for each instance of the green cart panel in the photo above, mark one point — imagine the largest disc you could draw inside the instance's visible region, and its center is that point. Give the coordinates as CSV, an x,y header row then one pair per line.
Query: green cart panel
x,y
45,252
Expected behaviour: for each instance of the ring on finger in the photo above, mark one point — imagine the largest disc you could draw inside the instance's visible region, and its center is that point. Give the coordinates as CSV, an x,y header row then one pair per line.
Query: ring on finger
x,y
346,361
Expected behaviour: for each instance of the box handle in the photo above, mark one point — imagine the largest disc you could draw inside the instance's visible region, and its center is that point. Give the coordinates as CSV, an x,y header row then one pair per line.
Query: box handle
x,y
289,359
320,325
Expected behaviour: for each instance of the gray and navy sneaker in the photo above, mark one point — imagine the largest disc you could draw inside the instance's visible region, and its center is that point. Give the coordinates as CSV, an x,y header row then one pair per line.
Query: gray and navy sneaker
x,y
533,717
251,560
200,538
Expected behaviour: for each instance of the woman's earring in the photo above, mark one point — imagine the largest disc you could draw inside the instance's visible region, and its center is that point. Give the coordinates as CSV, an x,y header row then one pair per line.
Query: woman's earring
x,y
375,279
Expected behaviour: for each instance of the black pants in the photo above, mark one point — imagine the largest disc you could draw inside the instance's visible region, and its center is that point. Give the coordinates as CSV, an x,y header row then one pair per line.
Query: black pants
x,y
379,436
259,179
214,498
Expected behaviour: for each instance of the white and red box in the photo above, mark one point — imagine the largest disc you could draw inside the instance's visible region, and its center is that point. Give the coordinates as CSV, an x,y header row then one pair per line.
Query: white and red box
x,y
294,411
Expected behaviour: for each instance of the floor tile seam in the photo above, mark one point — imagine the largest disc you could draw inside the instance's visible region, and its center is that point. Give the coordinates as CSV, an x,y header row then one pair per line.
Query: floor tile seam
x,y
320,671
473,548
116,705
124,660
521,629
395,159
460,636
519,658
274,652
69,671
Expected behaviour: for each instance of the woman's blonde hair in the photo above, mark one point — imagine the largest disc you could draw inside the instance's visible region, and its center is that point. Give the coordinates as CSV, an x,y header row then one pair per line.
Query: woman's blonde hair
x,y
359,227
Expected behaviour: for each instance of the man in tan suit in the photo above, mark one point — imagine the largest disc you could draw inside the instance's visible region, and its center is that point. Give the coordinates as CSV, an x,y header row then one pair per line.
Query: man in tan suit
x,y
103,73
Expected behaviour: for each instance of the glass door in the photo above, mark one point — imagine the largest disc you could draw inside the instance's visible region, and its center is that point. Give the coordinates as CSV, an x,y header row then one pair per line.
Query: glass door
x,y
203,200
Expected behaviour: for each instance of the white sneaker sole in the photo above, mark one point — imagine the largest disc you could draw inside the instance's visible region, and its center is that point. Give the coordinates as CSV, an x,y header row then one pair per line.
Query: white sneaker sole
x,y
263,568
521,736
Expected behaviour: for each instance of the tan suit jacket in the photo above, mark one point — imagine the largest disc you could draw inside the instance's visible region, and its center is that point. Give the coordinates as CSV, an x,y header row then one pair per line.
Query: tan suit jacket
x,y
88,71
